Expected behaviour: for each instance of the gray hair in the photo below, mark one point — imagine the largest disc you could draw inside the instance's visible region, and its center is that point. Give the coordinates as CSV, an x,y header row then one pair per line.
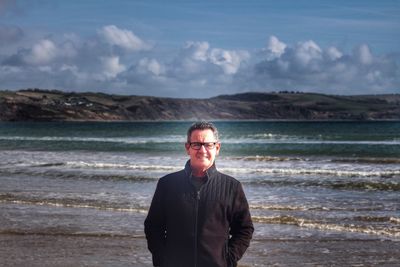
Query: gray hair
x,y
202,125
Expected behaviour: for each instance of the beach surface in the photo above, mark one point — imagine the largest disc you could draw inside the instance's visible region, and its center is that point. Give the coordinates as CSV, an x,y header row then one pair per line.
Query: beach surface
x,y
33,243
86,250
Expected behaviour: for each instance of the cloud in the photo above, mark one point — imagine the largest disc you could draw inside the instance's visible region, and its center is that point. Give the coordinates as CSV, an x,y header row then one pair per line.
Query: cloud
x,y
305,66
112,66
197,55
229,61
275,48
118,61
364,55
197,70
333,53
152,66
123,38
42,53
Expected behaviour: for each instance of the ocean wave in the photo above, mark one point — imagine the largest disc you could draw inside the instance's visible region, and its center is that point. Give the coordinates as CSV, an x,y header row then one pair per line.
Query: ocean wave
x,y
315,171
268,158
70,168
102,165
299,140
125,140
336,184
312,208
58,232
286,208
251,139
300,222
88,165
365,160
78,175
70,203
390,219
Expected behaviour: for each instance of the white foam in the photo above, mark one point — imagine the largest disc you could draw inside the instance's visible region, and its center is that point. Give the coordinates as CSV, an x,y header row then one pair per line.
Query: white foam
x,y
102,165
325,226
252,139
304,171
126,140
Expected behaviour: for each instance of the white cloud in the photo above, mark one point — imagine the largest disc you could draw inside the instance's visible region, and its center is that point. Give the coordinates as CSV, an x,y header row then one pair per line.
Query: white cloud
x,y
364,54
307,51
42,53
305,66
275,48
197,50
112,66
333,53
123,38
150,65
197,55
229,61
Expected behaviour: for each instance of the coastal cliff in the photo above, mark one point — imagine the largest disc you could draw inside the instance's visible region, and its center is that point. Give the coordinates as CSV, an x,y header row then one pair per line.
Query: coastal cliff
x,y
53,105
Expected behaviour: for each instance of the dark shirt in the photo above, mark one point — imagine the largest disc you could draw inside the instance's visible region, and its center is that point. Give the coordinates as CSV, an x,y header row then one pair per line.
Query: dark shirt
x,y
197,182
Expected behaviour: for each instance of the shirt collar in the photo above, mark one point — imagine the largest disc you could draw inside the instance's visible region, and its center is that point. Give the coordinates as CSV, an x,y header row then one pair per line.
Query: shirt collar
x,y
210,172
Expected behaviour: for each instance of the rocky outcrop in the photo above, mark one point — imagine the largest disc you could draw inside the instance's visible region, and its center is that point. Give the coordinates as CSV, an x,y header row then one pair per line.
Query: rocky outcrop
x,y
51,105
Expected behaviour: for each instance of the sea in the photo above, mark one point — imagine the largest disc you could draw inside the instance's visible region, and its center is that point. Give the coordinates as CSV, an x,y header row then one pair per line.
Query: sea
x,y
320,193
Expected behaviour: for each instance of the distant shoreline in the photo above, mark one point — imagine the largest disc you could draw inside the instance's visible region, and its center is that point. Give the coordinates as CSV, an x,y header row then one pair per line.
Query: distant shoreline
x,y
211,120
52,105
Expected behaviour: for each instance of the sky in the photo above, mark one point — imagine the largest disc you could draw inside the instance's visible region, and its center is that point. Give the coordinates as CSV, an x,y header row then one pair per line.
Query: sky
x,y
200,49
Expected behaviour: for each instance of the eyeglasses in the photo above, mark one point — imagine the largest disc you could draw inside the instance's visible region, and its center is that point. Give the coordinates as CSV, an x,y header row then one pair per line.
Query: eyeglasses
x,y
198,145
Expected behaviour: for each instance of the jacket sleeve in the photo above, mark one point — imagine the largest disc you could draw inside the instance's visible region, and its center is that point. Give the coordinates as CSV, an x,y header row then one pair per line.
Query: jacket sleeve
x,y
155,225
241,227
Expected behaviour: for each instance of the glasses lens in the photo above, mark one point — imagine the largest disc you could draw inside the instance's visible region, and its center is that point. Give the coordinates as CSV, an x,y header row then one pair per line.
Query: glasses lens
x,y
209,145
197,145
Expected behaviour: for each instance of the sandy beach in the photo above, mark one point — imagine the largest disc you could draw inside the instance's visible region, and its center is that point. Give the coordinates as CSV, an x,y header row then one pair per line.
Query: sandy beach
x,y
57,250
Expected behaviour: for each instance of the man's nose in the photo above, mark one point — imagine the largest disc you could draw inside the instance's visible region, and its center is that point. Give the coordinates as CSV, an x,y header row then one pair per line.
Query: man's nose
x,y
203,148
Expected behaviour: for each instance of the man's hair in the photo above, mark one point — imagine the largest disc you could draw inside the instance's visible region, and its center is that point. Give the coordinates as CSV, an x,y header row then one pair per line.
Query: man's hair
x,y
202,125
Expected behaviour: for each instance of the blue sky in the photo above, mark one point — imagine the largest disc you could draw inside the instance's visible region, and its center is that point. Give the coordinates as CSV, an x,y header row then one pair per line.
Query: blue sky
x,y
201,48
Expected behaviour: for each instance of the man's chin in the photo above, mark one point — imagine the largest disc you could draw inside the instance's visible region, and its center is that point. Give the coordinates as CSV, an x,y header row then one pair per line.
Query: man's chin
x,y
201,165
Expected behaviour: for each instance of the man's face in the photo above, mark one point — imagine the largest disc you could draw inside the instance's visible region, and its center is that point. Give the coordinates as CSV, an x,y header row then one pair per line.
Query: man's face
x,y
202,159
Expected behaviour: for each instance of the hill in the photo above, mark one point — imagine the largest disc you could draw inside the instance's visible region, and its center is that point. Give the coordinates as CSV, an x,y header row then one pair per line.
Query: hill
x,y
53,105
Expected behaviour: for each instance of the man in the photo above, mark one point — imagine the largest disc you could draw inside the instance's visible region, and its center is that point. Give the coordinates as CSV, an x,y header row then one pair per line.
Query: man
x,y
198,216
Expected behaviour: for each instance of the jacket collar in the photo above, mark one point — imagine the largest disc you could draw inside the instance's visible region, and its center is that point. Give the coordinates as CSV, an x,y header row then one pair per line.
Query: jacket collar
x,y
210,172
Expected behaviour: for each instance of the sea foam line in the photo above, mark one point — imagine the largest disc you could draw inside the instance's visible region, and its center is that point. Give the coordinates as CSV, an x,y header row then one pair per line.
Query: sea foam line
x,y
181,139
68,205
127,140
82,164
289,171
312,171
289,220
234,170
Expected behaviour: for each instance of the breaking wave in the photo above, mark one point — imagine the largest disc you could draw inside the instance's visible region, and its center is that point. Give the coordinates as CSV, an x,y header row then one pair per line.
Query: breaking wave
x,y
70,203
306,223
316,171
335,184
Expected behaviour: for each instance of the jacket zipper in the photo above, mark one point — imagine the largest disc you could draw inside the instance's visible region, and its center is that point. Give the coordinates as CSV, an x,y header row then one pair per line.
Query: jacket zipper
x,y
195,225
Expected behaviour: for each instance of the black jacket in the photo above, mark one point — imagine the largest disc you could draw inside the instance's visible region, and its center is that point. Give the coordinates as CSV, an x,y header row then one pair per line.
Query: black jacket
x,y
211,227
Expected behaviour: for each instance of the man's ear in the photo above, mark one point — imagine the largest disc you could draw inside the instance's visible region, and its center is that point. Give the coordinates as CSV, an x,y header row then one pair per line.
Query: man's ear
x,y
217,148
187,147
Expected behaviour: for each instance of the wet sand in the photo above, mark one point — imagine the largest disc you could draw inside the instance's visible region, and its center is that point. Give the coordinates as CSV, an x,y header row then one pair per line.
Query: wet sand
x,y
18,249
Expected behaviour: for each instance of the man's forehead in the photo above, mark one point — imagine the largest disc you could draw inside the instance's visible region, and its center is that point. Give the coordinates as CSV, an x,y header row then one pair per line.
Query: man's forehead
x,y
202,133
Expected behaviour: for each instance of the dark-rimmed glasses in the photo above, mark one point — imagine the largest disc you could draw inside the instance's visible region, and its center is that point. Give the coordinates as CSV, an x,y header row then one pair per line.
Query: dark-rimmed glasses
x,y
198,145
